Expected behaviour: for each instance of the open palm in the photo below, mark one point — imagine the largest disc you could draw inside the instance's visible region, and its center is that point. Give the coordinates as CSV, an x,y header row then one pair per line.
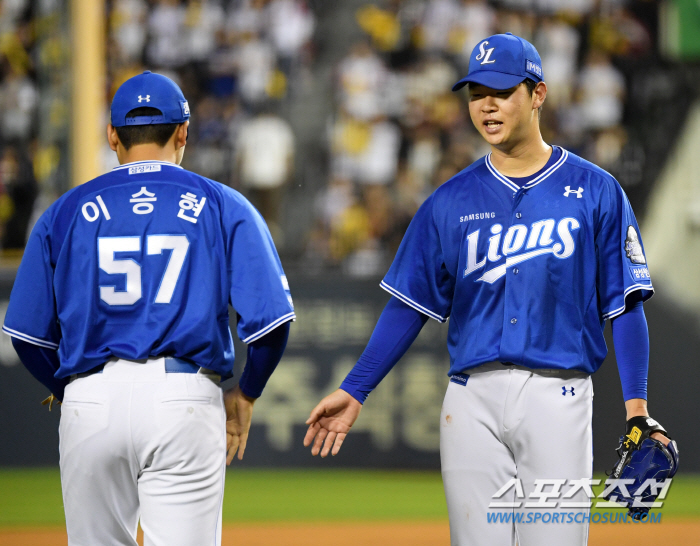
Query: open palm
x,y
331,420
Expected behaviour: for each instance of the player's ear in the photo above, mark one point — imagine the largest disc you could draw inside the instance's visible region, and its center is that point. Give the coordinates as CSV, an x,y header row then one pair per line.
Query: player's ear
x,y
539,94
112,137
181,135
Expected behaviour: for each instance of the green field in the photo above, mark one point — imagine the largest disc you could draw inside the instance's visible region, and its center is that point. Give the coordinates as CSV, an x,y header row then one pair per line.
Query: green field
x,y
33,497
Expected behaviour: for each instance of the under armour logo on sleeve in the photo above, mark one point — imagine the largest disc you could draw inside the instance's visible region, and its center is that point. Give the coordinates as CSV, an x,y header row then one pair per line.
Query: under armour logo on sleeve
x,y
578,192
147,98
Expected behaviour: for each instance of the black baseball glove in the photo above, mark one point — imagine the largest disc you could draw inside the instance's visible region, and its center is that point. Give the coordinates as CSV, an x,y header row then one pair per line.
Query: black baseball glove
x,y
642,458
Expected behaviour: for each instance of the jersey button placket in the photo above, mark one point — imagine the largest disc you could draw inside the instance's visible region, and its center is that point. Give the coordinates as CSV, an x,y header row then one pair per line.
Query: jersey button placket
x,y
510,340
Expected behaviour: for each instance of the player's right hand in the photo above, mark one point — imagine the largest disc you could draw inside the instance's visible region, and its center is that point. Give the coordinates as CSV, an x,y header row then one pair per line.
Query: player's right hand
x,y
331,420
239,413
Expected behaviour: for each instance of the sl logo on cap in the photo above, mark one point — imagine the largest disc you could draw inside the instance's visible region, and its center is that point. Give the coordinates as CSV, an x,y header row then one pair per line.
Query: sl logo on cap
x,y
486,55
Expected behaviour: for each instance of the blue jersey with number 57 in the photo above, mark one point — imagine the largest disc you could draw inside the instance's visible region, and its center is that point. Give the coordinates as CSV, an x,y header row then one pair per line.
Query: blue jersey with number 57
x,y
529,274
143,261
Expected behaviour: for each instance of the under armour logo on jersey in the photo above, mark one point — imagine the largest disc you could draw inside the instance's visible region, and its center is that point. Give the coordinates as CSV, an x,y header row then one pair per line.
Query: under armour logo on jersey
x,y
565,391
578,192
147,98
485,54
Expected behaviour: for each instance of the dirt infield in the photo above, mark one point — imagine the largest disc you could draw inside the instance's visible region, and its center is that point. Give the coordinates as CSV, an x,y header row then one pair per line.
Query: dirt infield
x,y
676,532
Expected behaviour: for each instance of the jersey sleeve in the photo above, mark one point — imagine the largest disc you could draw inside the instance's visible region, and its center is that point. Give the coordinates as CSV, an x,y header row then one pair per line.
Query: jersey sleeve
x,y
258,289
622,263
418,275
31,315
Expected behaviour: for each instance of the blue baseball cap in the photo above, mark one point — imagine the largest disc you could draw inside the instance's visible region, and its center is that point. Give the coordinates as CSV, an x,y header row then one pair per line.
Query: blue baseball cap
x,y
502,61
154,91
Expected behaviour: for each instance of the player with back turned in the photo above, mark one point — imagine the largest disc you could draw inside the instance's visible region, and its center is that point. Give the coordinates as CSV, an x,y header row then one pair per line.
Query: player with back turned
x,y
120,308
528,251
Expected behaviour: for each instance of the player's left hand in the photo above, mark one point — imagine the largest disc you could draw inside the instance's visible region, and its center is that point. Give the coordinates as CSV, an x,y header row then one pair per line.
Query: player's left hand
x,y
661,438
239,412
645,452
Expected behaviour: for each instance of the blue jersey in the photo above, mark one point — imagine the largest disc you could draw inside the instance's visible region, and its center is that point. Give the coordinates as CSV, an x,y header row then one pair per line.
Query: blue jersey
x,y
143,261
527,275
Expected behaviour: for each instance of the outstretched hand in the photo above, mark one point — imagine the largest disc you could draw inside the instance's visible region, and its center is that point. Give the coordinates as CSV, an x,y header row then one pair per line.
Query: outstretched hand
x,y
331,420
239,412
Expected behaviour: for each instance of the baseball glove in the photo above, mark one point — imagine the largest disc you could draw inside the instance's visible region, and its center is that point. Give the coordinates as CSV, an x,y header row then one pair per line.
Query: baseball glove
x,y
642,458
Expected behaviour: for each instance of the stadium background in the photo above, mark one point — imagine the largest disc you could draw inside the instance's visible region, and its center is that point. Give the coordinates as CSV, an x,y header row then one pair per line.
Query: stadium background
x,y
336,120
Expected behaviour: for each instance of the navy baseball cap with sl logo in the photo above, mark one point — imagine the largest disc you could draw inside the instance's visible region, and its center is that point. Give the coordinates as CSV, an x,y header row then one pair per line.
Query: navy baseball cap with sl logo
x,y
502,61
154,91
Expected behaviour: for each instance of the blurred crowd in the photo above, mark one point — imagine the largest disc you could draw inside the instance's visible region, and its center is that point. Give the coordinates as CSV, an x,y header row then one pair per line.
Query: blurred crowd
x,y
22,158
395,130
235,61
398,131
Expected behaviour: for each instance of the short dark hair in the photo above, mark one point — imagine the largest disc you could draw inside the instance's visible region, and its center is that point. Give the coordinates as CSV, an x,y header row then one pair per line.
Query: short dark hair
x,y
530,85
130,135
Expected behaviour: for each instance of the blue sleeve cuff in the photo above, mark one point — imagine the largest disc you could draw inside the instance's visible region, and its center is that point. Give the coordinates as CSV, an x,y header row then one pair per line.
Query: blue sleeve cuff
x,y
263,356
43,364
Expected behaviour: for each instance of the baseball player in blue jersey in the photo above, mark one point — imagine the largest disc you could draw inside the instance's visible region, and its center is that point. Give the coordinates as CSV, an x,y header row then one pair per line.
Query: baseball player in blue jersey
x,y
120,307
528,251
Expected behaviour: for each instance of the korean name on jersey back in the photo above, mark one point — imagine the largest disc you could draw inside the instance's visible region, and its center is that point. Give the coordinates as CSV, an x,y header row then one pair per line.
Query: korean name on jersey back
x,y
519,244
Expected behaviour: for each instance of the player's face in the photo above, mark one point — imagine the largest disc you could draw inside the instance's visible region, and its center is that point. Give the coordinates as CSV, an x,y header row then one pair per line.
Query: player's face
x,y
503,117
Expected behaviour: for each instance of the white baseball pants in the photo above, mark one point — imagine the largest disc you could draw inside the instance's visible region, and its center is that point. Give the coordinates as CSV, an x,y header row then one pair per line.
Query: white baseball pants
x,y
137,442
510,422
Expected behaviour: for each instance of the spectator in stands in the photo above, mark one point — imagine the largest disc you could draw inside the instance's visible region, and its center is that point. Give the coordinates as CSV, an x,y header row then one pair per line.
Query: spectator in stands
x,y
129,30
166,27
361,79
265,161
255,63
246,17
476,20
438,20
558,44
602,92
204,21
18,102
19,190
291,26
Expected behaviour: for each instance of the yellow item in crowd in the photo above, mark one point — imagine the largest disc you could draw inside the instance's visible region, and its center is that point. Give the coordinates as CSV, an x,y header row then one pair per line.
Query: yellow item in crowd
x,y
381,25
354,136
349,231
276,87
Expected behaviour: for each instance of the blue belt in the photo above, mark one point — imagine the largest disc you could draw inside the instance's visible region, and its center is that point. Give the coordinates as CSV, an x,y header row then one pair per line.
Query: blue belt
x,y
172,365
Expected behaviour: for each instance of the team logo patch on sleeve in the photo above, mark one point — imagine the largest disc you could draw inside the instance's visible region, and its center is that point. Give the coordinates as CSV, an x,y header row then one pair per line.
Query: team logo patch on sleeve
x,y
633,248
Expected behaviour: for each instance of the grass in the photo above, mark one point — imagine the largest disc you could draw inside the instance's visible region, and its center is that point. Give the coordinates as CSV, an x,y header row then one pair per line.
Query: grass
x,y
33,496
313,495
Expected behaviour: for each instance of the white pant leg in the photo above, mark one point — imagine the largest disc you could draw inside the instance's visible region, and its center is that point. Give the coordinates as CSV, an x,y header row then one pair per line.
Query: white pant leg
x,y
143,441
549,431
511,423
475,462
181,487
98,469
